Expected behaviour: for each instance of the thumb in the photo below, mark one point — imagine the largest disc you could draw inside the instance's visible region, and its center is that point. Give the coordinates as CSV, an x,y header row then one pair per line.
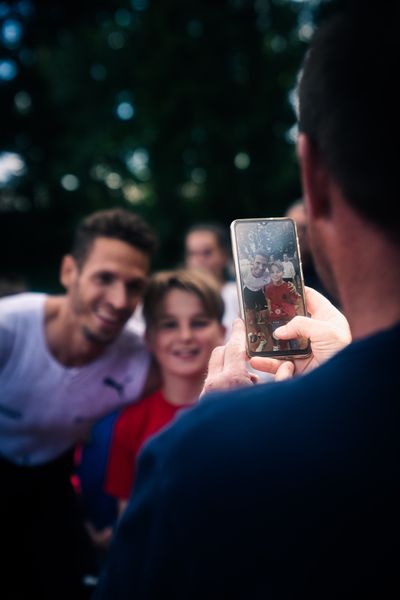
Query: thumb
x,y
297,327
326,338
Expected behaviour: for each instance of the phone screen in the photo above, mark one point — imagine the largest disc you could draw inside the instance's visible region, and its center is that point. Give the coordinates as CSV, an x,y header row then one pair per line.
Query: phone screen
x,y
270,283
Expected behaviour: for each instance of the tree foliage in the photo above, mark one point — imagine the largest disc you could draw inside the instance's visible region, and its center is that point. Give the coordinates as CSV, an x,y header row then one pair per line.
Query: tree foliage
x,y
177,109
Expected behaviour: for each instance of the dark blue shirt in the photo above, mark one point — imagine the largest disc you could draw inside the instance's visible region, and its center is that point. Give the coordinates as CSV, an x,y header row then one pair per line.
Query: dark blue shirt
x,y
286,490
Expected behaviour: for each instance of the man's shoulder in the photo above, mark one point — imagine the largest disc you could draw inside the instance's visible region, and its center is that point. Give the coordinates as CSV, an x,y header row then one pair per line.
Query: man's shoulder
x,y
126,361
21,311
26,302
129,341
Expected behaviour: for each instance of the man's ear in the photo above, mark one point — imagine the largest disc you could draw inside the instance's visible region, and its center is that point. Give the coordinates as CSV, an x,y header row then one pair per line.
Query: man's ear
x,y
68,270
315,178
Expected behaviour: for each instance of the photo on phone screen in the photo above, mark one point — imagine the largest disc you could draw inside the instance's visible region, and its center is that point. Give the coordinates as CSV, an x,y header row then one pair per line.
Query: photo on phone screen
x,y
270,283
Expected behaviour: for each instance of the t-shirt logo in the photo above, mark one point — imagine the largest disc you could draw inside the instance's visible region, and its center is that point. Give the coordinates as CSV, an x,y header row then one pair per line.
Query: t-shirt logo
x,y
118,387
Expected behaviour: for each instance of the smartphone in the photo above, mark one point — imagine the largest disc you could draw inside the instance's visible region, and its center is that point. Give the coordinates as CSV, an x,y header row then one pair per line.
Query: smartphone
x,y
270,283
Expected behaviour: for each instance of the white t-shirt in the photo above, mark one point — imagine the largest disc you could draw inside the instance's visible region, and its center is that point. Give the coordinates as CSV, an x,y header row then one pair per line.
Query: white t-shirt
x,y
137,323
45,407
254,283
288,269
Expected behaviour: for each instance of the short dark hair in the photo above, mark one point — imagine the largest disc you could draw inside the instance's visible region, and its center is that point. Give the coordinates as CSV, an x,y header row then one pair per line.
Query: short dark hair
x,y
261,252
115,223
348,106
198,282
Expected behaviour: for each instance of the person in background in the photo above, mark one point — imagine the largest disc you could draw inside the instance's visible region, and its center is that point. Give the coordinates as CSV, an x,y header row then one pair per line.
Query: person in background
x,y
289,273
291,489
271,259
183,310
207,247
65,362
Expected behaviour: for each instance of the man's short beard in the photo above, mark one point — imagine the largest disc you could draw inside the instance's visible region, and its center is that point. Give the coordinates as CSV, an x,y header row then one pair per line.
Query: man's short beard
x,y
94,339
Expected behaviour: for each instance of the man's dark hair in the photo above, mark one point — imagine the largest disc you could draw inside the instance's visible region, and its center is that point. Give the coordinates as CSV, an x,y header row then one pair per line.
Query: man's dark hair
x,y
117,224
260,252
349,108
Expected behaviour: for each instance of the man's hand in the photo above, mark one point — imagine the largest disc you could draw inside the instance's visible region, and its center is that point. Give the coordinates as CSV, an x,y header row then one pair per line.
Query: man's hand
x,y
327,329
227,366
292,288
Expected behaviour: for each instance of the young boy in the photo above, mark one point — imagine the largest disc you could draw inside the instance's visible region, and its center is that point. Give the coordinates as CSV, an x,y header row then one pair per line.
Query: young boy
x,y
183,311
282,299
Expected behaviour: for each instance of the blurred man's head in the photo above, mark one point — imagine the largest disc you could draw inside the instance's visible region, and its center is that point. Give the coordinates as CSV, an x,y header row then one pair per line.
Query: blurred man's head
x,y
348,134
106,273
348,108
207,247
116,224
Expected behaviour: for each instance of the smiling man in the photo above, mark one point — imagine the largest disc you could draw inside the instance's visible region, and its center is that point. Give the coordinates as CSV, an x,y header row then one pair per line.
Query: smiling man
x,y
65,361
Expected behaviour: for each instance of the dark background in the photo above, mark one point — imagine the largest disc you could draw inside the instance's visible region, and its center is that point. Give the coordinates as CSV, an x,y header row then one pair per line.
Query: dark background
x,y
178,109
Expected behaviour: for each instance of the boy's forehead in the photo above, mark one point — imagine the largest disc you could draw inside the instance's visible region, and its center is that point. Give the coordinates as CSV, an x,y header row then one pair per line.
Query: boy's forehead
x,y
177,295
177,300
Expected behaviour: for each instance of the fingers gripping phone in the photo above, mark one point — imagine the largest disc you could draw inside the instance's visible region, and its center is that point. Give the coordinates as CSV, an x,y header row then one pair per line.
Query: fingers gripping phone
x,y
270,283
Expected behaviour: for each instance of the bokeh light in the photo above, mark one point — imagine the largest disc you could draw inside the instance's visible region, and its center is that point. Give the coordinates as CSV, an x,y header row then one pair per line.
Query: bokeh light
x,y
138,163
23,102
8,69
11,33
70,182
242,161
11,165
125,111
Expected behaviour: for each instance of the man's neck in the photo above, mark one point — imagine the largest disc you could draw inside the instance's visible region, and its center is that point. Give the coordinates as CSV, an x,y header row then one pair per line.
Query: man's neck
x,y
366,268
371,302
